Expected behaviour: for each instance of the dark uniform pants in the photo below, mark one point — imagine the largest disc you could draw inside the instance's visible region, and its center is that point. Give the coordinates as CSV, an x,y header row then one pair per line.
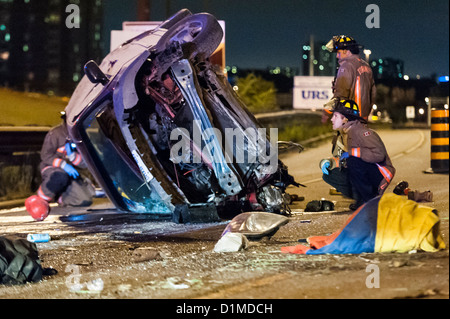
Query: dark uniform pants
x,y
57,185
360,180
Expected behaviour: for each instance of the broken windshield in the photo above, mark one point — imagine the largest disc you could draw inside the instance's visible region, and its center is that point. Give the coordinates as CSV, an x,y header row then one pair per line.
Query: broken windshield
x,y
112,156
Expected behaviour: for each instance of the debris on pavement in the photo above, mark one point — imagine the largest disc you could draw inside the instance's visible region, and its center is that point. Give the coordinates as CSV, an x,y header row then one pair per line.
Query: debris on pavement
x,y
319,206
402,188
250,225
146,254
38,238
231,242
255,225
418,196
290,198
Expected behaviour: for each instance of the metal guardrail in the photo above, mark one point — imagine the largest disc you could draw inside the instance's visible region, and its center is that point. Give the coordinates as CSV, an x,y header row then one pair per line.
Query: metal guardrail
x,y
287,113
21,140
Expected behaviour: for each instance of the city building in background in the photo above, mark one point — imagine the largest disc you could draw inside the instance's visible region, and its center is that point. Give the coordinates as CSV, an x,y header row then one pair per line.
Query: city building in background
x,y
44,45
317,60
387,68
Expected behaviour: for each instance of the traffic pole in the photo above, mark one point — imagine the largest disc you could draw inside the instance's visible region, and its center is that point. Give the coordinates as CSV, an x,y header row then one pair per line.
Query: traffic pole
x,y
439,141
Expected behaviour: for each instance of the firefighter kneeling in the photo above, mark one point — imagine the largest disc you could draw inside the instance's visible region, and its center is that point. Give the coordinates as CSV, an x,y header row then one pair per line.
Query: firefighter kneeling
x,y
360,167
61,181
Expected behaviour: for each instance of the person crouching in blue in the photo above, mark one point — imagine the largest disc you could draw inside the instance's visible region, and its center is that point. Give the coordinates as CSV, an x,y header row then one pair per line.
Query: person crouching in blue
x,y
360,167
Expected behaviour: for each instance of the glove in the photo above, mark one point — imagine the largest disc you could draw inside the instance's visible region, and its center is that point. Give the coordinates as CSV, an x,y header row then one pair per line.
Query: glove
x,y
325,167
344,156
71,171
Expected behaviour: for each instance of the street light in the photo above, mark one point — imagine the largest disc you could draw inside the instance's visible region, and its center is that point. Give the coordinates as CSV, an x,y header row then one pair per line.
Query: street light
x,y
367,53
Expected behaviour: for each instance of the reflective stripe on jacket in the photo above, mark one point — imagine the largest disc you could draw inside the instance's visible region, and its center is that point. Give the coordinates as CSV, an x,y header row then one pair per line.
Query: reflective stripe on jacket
x,y
354,81
366,144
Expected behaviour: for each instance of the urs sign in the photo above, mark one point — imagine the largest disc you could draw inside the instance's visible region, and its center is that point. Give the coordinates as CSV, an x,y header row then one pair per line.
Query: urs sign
x,y
312,92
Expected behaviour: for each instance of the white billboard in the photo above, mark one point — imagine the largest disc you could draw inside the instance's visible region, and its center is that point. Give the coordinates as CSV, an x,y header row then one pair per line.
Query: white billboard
x,y
312,92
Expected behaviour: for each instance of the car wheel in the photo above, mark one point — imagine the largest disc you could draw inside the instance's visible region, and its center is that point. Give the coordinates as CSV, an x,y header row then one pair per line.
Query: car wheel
x,y
198,34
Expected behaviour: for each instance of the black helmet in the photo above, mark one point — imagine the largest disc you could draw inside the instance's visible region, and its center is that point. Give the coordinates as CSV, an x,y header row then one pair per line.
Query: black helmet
x,y
342,42
349,109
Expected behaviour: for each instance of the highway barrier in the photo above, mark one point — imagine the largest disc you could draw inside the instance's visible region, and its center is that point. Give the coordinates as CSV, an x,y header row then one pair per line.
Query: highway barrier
x,y
439,141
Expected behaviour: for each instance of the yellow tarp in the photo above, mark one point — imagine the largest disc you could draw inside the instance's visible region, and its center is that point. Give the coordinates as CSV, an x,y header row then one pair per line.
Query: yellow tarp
x,y
404,225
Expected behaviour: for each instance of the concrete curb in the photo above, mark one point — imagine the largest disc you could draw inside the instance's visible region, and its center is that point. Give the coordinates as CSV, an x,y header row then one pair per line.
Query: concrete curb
x,y
12,203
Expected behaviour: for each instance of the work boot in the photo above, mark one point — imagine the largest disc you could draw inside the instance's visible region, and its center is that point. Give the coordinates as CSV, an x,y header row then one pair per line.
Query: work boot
x,y
401,188
420,196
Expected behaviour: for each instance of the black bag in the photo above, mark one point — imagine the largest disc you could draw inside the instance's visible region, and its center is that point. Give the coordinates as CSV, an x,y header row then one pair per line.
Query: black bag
x,y
319,206
19,261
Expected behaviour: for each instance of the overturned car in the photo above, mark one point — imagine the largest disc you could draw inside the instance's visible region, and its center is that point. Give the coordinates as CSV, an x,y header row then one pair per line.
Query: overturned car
x,y
163,132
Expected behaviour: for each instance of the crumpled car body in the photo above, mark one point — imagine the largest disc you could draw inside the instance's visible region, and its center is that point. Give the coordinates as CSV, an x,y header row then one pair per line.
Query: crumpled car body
x,y
153,122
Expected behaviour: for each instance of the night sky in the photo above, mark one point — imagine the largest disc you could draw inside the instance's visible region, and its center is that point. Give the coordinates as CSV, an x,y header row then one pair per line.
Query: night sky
x,y
262,33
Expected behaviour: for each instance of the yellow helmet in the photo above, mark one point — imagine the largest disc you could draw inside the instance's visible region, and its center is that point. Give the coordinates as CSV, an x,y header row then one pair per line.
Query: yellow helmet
x,y
348,108
341,42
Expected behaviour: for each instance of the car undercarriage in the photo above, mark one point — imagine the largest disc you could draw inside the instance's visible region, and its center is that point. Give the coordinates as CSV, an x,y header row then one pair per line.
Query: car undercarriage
x,y
165,132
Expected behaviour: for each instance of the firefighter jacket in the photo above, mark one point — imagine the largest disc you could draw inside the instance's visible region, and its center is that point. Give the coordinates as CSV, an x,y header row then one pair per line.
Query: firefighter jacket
x,y
354,81
53,152
366,144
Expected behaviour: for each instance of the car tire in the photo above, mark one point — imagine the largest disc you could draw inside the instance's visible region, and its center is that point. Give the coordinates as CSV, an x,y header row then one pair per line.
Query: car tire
x,y
198,34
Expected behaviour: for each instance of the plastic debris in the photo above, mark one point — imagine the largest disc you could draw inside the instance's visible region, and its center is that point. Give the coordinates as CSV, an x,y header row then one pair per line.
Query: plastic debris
x,y
38,238
256,224
231,242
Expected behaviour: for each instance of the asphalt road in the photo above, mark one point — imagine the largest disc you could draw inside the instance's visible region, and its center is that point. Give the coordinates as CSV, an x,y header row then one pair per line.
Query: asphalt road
x,y
101,253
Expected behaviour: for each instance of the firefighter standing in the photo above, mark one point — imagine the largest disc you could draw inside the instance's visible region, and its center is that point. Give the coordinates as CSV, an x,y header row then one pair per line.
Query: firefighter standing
x,y
354,78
